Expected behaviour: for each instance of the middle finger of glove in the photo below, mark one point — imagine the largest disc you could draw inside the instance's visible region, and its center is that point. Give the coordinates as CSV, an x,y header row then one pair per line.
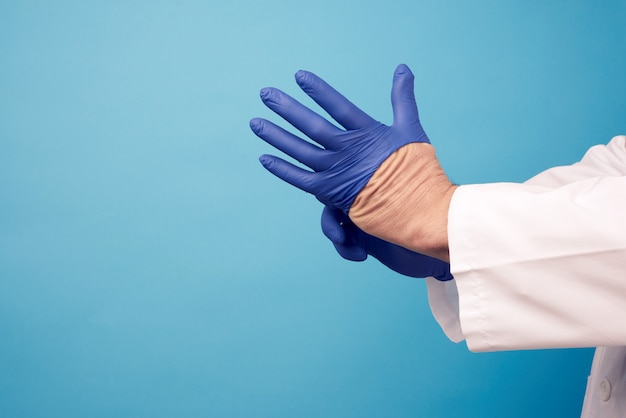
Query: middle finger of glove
x,y
304,119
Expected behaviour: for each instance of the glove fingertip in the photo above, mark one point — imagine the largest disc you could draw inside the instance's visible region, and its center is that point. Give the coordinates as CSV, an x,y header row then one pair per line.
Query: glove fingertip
x,y
445,277
403,69
351,253
265,92
306,80
256,124
266,160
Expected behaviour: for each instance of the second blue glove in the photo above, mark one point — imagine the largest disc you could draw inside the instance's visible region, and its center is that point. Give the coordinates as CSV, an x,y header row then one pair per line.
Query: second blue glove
x,y
355,245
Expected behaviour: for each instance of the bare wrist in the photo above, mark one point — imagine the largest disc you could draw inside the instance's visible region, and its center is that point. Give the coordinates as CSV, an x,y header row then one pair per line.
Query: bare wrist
x,y
406,201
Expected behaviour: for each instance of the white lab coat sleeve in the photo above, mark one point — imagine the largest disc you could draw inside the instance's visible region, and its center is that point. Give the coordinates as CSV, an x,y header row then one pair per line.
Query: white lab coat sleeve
x,y
599,161
443,298
540,264
539,267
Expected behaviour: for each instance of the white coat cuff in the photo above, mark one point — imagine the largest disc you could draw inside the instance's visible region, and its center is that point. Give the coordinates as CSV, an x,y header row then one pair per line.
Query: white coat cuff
x,y
443,299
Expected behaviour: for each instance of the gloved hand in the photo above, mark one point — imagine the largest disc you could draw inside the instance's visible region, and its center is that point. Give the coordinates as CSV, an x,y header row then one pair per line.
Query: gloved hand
x,y
349,156
355,245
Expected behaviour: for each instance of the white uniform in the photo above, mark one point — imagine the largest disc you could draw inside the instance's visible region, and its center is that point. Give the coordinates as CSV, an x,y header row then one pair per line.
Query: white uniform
x,y
543,265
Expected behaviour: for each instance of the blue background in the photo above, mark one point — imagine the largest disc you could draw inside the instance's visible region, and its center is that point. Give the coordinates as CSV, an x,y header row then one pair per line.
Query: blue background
x,y
150,267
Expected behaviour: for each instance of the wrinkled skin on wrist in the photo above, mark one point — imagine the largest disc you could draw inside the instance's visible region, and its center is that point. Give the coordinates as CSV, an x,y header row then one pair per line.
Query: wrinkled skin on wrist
x,y
406,202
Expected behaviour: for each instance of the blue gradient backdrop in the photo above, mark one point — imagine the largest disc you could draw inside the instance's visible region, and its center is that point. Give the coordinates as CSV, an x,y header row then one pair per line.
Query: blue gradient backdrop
x,y
150,267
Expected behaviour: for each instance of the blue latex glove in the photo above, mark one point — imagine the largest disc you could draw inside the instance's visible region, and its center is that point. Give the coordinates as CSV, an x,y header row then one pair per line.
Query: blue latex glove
x,y
355,245
349,156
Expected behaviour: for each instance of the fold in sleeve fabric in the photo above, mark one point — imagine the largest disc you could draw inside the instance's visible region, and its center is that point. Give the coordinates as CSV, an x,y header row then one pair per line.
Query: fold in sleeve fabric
x,y
540,264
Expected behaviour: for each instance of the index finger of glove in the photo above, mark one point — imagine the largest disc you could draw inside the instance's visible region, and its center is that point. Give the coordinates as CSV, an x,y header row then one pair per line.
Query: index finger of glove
x,y
337,106
304,119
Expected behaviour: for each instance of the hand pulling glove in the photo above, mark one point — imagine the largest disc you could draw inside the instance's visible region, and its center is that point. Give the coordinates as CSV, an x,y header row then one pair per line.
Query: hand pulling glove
x,y
355,245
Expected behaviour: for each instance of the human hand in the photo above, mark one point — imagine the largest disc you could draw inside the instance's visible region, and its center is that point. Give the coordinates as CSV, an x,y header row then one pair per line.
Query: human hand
x,y
348,157
355,245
